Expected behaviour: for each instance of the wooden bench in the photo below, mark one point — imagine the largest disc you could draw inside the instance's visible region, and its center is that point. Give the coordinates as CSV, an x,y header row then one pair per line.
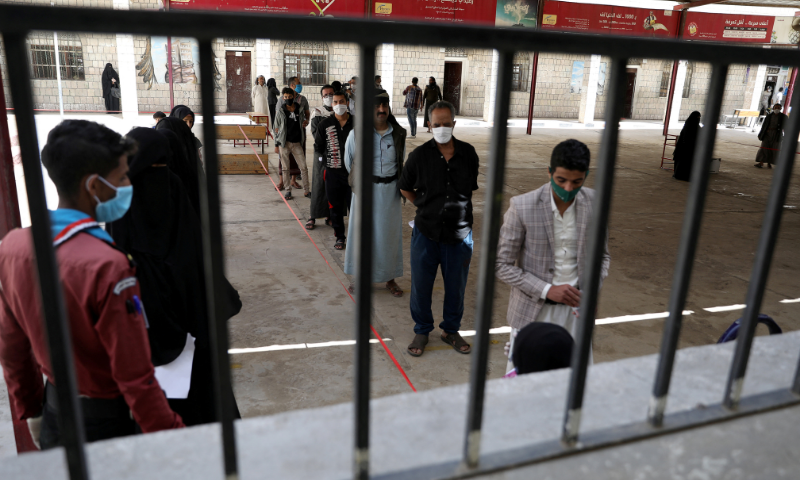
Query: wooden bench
x,y
258,118
257,134
732,121
240,164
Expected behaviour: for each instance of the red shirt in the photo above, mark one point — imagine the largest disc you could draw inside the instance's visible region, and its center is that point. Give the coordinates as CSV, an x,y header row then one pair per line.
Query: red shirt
x,y
110,345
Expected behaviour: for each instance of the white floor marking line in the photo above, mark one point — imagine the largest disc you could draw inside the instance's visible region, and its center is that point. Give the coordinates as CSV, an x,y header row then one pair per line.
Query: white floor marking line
x,y
299,346
793,300
471,333
726,308
635,318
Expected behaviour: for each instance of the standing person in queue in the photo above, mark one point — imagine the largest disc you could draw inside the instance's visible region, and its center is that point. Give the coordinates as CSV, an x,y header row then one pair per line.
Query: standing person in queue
x,y
163,234
260,95
115,378
319,202
329,143
290,136
684,150
771,136
272,99
110,79
542,250
439,178
431,94
296,85
412,104
386,168
187,167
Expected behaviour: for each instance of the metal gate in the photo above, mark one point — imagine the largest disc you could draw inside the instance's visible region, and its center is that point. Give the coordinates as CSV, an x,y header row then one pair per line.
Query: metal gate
x,y
17,21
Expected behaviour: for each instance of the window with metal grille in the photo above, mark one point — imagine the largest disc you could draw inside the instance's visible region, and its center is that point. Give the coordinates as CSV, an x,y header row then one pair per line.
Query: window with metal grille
x,y
307,60
666,74
519,73
687,86
239,42
455,52
43,56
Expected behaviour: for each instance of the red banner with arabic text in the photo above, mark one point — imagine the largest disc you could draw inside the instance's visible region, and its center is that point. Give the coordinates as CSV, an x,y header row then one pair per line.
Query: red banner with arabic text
x,y
454,11
314,8
717,27
609,19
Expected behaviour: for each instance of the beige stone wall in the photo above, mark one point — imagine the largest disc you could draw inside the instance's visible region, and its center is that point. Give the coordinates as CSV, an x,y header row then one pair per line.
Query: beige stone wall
x,y
420,62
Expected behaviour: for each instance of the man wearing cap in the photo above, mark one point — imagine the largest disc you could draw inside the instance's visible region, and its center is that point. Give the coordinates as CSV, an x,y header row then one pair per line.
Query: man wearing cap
x,y
386,168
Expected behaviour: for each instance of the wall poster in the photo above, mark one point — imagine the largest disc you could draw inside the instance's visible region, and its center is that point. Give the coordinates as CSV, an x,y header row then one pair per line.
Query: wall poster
x,y
726,27
576,82
516,13
609,19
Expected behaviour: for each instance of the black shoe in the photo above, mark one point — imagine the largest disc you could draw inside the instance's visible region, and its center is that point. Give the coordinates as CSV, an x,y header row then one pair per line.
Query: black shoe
x,y
288,195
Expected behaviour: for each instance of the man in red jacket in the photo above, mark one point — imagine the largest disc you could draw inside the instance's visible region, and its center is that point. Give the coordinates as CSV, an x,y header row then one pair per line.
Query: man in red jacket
x,y
116,379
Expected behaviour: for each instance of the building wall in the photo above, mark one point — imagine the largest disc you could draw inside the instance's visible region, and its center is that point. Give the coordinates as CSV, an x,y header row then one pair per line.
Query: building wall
x,y
420,62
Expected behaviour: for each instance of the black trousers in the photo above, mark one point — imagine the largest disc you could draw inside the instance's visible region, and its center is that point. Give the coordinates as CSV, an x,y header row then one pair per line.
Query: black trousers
x,y
96,428
338,192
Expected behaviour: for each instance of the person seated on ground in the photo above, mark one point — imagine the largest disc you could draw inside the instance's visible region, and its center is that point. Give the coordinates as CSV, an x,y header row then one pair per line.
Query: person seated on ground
x,y
119,393
540,347
684,149
771,136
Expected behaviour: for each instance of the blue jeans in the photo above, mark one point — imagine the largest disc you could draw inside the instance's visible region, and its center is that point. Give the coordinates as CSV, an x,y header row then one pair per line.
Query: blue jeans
x,y
412,120
426,257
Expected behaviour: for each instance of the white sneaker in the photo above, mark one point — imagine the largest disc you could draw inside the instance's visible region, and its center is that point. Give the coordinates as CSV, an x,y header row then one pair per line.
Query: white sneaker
x,y
413,136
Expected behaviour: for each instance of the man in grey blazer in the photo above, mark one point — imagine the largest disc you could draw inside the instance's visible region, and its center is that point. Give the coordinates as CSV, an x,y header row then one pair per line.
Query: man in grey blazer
x,y
542,246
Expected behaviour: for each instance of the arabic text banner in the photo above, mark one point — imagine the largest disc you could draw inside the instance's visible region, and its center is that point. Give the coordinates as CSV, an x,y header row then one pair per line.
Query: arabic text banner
x,y
728,28
590,18
454,11
314,8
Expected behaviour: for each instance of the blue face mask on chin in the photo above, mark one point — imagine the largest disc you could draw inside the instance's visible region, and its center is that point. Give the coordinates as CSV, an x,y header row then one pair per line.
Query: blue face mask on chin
x,y
115,208
298,88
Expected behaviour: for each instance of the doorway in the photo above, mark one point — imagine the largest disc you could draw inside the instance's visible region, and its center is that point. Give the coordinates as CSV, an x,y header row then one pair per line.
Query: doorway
x,y
629,91
452,84
238,81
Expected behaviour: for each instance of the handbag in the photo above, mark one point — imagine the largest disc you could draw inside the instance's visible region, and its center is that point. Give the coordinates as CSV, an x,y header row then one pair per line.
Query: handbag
x,y
115,92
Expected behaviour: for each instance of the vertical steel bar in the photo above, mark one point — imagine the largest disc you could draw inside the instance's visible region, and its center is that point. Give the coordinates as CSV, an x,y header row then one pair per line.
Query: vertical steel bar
x,y
690,233
766,248
9,201
215,263
590,281
365,138
57,333
486,278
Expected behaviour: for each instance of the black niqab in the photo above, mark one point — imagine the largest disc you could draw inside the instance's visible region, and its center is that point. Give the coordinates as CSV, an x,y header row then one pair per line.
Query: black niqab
x,y
684,150
188,169
108,74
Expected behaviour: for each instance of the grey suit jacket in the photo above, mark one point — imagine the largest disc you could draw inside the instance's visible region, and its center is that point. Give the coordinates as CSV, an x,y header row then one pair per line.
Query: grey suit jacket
x,y
525,258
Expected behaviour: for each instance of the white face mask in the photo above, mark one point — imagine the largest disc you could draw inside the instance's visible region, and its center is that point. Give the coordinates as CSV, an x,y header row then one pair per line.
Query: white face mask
x,y
340,109
442,134
327,101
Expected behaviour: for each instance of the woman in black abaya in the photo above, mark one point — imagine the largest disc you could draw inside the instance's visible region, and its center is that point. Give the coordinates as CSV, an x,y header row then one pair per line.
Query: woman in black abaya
x,y
185,165
162,233
109,79
684,150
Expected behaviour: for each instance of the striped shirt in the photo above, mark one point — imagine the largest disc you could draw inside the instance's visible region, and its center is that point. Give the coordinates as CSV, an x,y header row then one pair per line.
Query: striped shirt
x,y
413,97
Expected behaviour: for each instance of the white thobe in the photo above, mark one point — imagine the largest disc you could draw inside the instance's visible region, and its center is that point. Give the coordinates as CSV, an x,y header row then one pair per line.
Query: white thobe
x,y
565,251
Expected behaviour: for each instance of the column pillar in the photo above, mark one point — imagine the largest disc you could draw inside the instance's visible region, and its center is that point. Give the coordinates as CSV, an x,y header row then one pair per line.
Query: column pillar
x,y
491,89
263,59
589,97
758,87
126,67
677,95
387,72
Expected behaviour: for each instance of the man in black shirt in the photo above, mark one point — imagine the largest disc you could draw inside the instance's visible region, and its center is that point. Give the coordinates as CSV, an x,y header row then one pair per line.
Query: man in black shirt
x,y
439,178
329,143
290,136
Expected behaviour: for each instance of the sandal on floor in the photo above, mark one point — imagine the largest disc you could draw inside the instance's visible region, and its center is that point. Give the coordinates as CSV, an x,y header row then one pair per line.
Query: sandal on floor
x,y
455,341
758,166
339,244
280,186
310,224
328,222
419,342
307,194
352,289
297,185
288,195
395,290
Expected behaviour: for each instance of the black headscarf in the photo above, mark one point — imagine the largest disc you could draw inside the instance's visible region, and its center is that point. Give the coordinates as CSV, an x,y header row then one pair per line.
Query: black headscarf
x,y
181,111
540,346
105,80
684,149
271,83
187,169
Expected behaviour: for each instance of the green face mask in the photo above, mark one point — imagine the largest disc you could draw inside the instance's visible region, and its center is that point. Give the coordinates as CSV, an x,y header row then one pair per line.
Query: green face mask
x,y
564,195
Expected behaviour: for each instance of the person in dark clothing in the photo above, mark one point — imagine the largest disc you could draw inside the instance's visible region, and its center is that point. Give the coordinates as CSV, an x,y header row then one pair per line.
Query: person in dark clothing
x,y
771,136
540,347
109,80
290,136
439,178
272,99
187,115
319,201
162,233
684,150
329,142
187,168
430,95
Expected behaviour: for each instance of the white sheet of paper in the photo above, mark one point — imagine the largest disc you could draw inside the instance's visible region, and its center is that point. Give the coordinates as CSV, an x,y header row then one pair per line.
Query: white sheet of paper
x,y
411,224
175,377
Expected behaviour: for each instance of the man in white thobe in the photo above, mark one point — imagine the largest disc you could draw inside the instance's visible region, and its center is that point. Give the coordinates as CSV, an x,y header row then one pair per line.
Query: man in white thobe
x,y
542,246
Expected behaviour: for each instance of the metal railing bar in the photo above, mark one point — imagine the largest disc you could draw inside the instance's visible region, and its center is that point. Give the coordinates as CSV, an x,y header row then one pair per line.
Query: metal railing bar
x,y
763,261
590,280
211,219
364,159
56,325
213,24
690,232
600,439
486,278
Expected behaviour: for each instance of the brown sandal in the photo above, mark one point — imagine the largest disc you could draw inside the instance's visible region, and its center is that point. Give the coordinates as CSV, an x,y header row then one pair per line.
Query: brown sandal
x,y
455,341
310,224
297,186
395,289
280,186
419,343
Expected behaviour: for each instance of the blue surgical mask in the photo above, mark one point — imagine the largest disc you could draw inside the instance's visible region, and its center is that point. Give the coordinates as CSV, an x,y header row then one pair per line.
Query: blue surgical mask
x,y
115,208
298,88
